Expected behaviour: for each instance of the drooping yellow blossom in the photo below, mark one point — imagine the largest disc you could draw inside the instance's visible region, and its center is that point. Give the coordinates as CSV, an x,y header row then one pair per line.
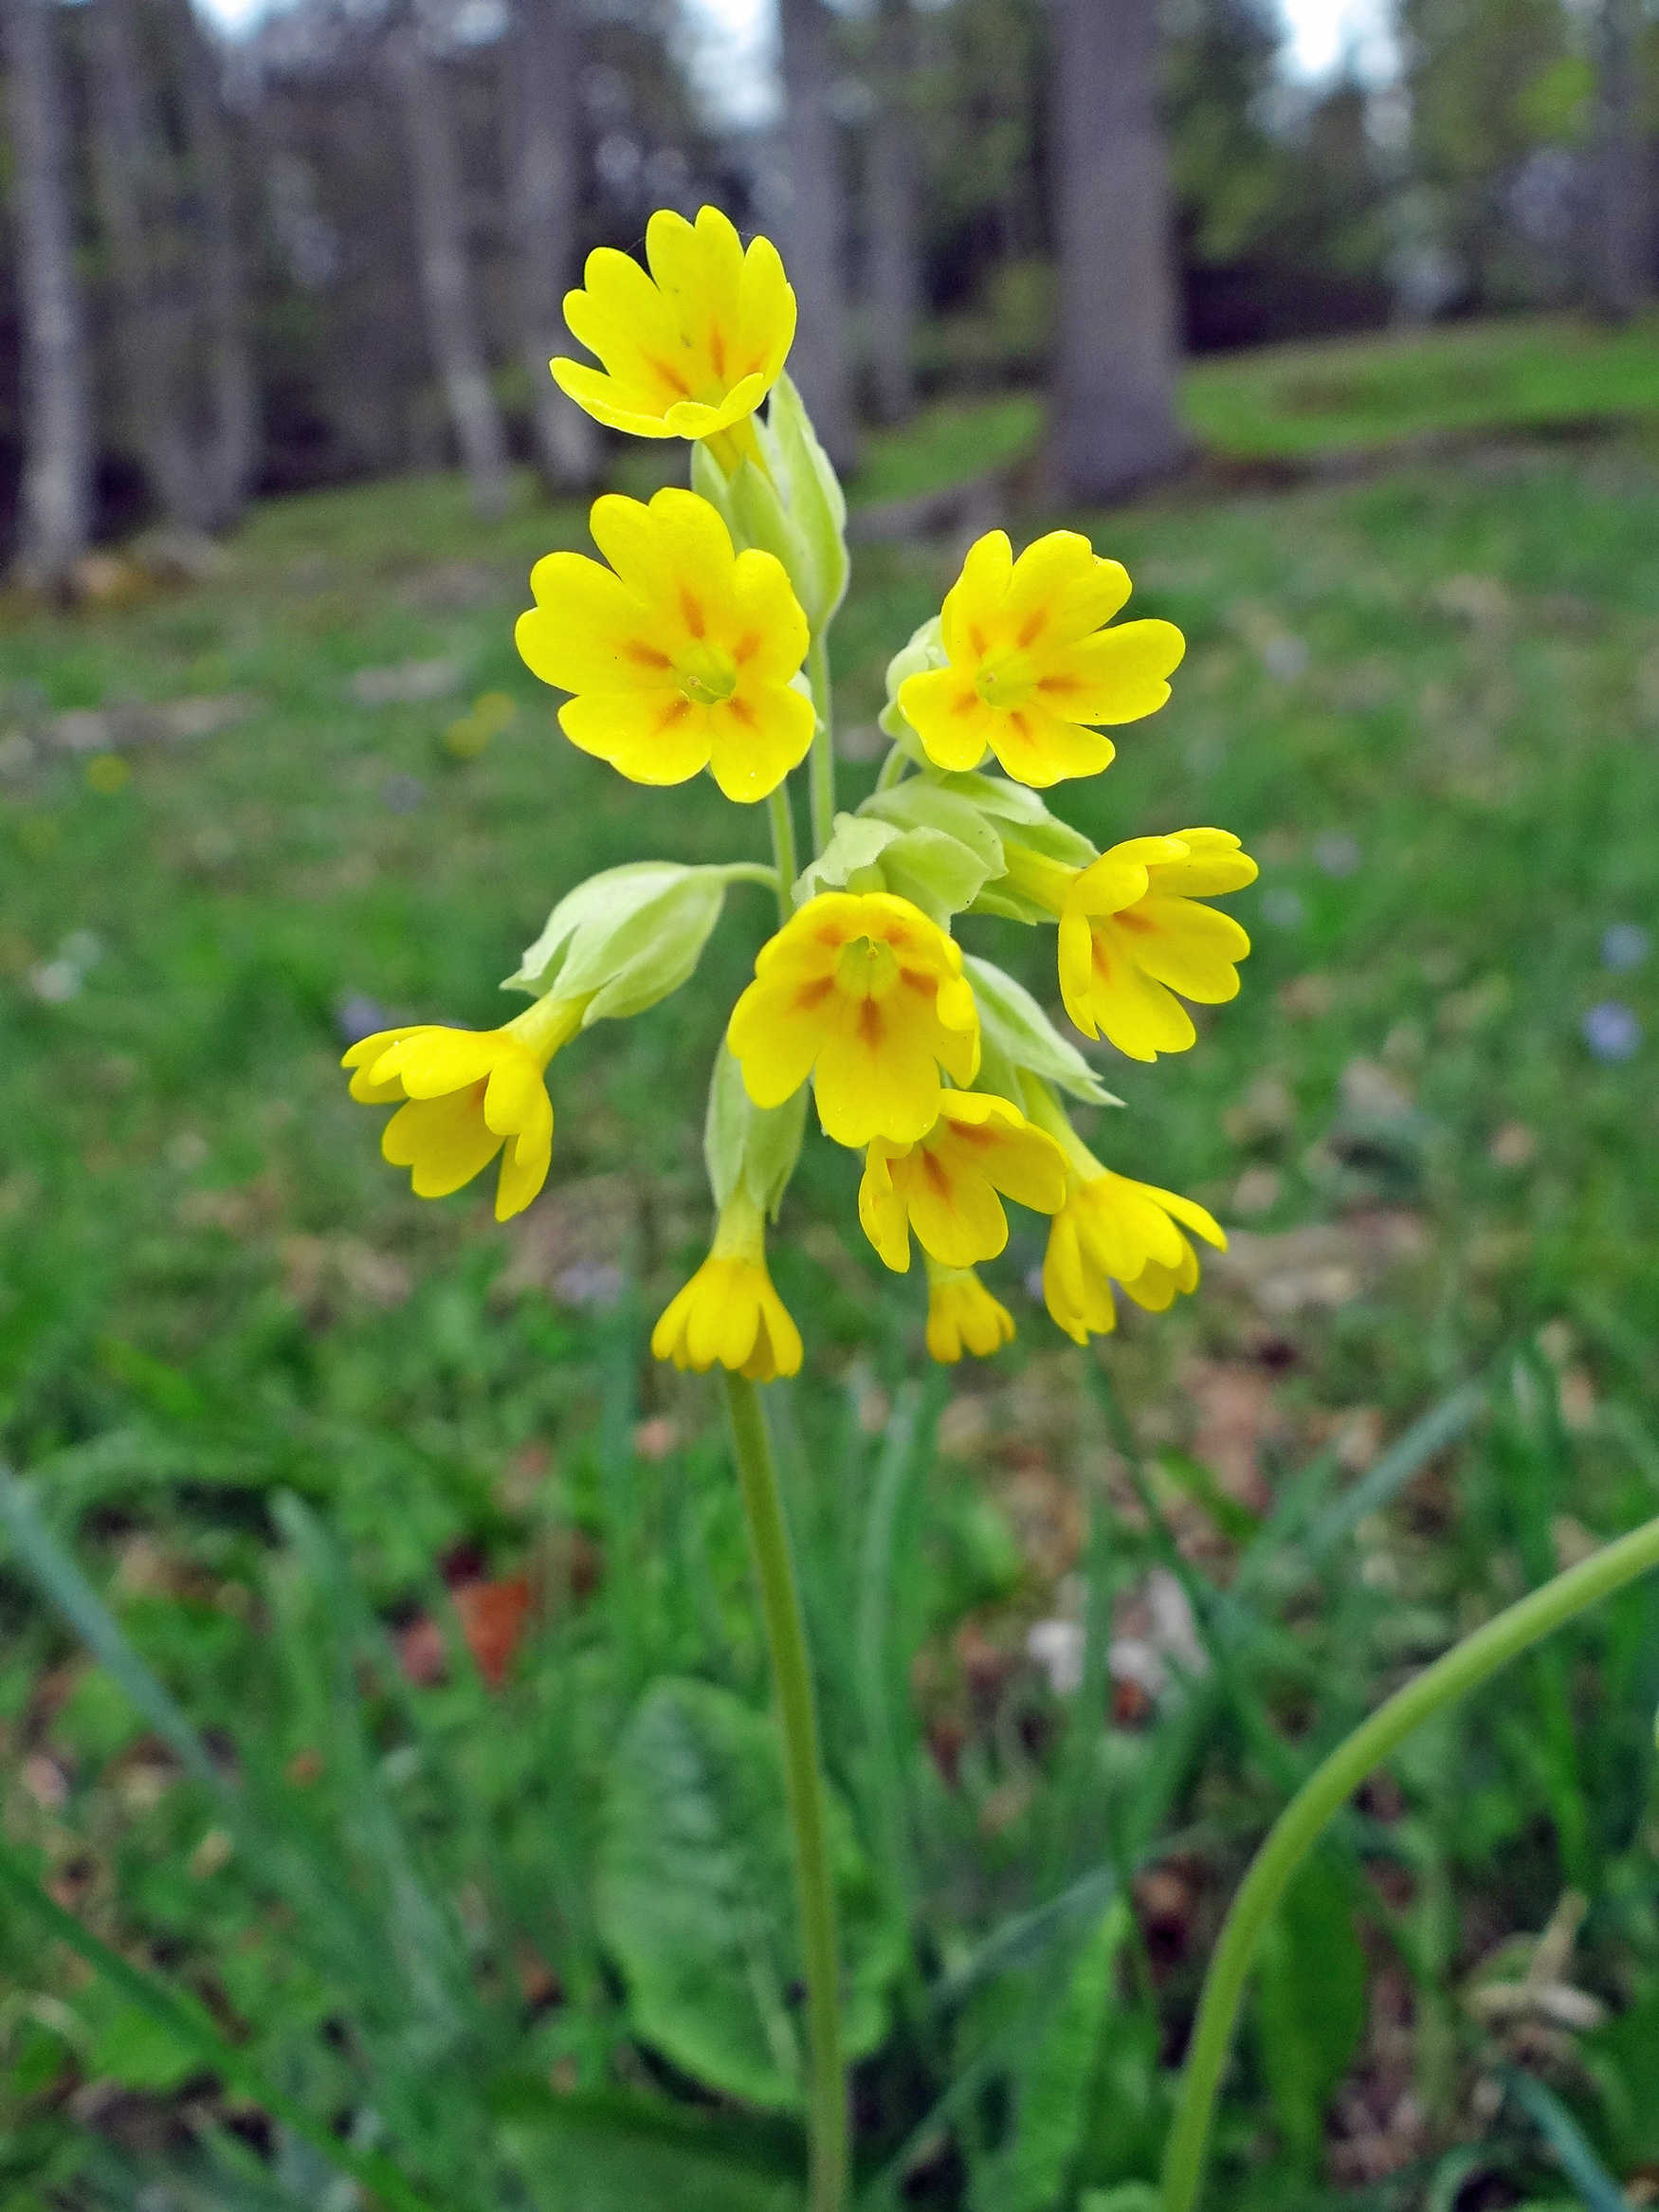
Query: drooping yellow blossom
x,y
678,654
691,349
1112,1230
866,995
1032,666
962,1316
729,1311
1133,933
467,1093
946,1186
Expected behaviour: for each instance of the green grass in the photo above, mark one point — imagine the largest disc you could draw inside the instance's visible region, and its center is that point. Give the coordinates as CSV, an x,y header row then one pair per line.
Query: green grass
x,y
1533,374
1429,703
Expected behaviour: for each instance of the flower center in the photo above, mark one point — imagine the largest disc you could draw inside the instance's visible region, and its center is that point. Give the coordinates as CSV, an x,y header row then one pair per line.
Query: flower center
x,y
867,968
1004,681
707,675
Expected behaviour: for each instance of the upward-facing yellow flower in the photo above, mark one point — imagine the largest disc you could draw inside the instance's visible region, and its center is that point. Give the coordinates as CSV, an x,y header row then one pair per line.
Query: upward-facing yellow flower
x,y
680,654
693,347
1133,933
1032,666
861,992
468,1091
946,1187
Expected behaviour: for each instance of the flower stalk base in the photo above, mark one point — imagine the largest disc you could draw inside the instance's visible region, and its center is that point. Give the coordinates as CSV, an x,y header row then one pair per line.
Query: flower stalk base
x,y
803,1778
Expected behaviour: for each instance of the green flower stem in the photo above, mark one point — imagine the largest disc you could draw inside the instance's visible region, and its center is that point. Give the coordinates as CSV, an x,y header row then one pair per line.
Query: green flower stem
x,y
822,768
791,1676
1463,1668
783,846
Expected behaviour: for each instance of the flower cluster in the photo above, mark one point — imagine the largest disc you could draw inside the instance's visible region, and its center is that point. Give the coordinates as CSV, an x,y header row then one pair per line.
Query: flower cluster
x,y
697,642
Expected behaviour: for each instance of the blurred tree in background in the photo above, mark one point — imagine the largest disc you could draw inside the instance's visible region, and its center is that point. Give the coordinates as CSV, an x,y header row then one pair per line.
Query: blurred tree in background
x,y
335,245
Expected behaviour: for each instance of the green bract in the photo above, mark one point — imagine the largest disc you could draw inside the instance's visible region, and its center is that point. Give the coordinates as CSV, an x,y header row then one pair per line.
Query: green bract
x,y
631,936
1015,1033
744,1145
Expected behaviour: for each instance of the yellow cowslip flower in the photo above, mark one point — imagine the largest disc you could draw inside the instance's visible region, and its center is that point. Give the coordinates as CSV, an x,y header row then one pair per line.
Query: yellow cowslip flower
x,y
729,1311
690,350
962,1316
679,654
1132,933
468,1091
1112,1230
866,995
946,1186
1030,665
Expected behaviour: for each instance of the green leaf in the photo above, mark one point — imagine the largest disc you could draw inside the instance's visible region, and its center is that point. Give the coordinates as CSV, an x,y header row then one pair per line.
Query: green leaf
x,y
133,2048
1597,2188
1014,1027
1310,2000
697,1899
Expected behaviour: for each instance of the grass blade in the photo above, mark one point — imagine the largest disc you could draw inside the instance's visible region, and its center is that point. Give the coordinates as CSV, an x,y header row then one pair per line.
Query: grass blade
x,y
1561,2133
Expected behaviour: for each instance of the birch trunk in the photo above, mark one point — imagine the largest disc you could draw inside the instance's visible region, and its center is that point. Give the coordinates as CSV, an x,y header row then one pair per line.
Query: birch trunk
x,y
541,63
1114,423
892,222
815,228
447,290
55,517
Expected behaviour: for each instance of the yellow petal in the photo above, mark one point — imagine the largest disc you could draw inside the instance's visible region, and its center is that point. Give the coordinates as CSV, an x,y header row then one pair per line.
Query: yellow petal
x,y
654,737
1191,947
619,406
949,716
1123,670
756,736
882,1211
968,619
874,1077
1137,1015
769,629
954,1211
1213,863
443,1140
524,1166
1037,747
1060,590
433,1061
588,631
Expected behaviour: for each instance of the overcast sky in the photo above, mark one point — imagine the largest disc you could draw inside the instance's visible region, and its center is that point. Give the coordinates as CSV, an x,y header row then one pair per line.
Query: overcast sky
x,y
1320,33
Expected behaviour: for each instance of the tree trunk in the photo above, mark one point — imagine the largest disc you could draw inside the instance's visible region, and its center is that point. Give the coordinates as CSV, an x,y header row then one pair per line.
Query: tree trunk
x,y
541,61
55,520
814,230
1114,423
1621,208
183,353
452,321
233,398
892,222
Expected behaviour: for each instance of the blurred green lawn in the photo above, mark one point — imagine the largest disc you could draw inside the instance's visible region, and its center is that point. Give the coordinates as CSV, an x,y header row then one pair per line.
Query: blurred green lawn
x,y
1428,703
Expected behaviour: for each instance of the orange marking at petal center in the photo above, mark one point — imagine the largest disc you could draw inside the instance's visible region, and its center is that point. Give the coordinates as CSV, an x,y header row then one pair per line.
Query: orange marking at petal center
x,y
692,611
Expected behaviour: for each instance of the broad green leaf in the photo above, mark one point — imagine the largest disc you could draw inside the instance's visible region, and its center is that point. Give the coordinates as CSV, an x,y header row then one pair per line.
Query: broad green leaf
x,y
1310,2000
697,1899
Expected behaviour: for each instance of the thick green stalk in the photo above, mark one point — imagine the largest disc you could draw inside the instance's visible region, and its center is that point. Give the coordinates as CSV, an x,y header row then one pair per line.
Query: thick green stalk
x,y
792,1677
823,767
783,846
1298,1828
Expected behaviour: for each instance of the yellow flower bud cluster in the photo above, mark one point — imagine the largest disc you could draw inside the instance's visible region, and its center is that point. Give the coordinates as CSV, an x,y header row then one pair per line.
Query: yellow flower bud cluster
x,y
697,642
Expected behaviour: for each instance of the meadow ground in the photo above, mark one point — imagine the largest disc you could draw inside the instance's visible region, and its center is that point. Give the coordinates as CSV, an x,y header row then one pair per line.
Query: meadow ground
x,y
241,816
